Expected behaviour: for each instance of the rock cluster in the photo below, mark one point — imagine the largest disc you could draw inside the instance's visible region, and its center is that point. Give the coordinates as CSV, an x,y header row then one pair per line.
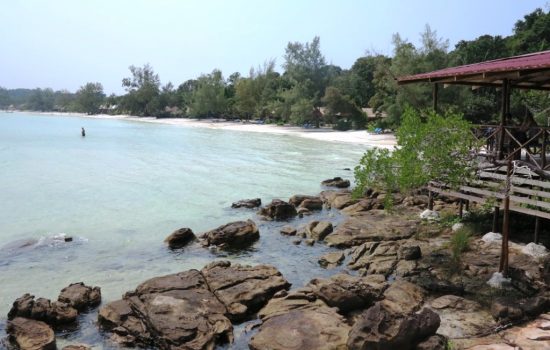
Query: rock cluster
x,y
336,182
278,210
191,309
247,203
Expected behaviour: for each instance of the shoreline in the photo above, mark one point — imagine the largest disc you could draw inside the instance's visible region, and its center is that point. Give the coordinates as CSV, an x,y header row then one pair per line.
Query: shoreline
x,y
361,137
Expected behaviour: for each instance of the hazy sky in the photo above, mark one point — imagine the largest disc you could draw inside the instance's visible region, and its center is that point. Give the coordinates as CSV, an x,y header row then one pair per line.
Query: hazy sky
x,y
64,44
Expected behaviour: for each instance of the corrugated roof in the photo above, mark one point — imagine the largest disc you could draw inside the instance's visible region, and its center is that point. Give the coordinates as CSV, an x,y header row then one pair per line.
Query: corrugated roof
x,y
531,71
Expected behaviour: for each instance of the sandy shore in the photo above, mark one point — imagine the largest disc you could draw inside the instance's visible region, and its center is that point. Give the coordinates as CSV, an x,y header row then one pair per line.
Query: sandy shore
x,y
323,134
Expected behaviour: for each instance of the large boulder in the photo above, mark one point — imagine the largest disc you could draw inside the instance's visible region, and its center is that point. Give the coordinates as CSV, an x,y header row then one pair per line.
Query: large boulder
x,y
349,293
298,199
180,238
80,296
243,289
247,203
168,312
336,182
233,234
374,225
278,210
318,230
41,309
29,334
337,199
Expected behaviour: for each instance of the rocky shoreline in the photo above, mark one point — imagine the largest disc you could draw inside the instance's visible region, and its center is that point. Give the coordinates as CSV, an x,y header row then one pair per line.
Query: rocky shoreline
x,y
397,286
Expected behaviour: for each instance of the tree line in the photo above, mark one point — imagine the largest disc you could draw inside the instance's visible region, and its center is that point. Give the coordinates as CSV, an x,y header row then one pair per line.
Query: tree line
x,y
311,91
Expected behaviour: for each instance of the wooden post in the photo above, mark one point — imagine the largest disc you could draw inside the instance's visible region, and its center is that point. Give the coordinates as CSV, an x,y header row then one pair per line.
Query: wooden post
x,y
467,205
430,200
435,93
503,113
496,214
461,208
503,268
537,230
543,149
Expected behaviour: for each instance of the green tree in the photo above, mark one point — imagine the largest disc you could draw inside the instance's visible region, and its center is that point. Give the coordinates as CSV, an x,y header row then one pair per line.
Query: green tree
x,y
342,107
143,89
208,99
90,97
5,100
41,100
531,34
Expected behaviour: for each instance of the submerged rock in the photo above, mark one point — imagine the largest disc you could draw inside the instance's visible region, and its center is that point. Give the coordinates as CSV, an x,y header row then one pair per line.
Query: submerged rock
x,y
29,334
278,210
288,231
336,182
238,233
247,203
318,230
180,238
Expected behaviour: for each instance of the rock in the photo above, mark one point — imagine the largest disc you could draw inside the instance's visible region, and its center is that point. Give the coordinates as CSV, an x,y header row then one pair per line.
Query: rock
x,y
537,251
234,234
461,318
297,199
29,334
406,268
55,314
337,199
168,312
243,289
309,242
179,238
282,303
80,296
430,215
403,297
336,182
409,252
374,225
380,260
247,203
312,204
506,309
457,226
349,293
435,342
288,231
362,206
296,241
278,210
303,211
318,329
318,230
382,329
332,259
77,347
491,237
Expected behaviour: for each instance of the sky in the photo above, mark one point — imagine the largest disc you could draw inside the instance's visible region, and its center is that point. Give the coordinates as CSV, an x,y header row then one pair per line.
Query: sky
x,y
64,44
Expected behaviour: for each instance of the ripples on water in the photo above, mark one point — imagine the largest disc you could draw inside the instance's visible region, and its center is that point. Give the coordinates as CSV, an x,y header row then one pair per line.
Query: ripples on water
x,y
121,190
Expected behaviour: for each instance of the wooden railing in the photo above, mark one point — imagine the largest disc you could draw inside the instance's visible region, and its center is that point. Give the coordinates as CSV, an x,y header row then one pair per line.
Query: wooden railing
x,y
502,143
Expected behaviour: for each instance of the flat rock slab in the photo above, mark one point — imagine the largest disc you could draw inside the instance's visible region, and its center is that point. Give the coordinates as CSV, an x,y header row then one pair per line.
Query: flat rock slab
x,y
311,329
375,225
331,260
243,289
30,334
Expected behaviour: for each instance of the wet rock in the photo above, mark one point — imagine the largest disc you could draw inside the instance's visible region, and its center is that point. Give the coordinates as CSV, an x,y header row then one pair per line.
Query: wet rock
x,y
318,329
461,318
349,293
278,210
80,296
234,234
296,241
288,231
303,211
55,314
308,202
382,328
247,203
336,182
318,230
409,252
435,342
180,238
375,225
168,312
243,289
331,260
309,242
29,334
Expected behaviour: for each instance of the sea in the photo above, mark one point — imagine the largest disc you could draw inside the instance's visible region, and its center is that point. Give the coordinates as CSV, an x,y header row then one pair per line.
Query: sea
x,y
125,186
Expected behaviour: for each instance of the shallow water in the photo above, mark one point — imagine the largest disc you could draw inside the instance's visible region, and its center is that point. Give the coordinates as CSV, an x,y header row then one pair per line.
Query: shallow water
x,y
127,185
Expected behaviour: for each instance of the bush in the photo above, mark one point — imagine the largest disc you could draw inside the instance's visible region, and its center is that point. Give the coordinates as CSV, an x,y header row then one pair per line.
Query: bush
x,y
342,125
460,242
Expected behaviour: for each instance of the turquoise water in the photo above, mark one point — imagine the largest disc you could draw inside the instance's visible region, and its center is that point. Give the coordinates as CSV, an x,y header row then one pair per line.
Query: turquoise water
x,y
127,185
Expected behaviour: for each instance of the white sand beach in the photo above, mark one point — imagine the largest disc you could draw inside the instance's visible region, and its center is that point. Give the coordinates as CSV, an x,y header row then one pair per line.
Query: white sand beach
x,y
323,134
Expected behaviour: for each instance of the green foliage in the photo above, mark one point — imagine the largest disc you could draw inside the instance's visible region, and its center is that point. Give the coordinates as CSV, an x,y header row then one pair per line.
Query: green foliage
x,y
433,148
532,33
208,99
89,98
342,107
460,243
41,100
143,89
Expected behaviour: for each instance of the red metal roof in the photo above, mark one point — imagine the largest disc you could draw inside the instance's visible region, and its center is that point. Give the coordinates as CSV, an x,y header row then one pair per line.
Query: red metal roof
x,y
525,71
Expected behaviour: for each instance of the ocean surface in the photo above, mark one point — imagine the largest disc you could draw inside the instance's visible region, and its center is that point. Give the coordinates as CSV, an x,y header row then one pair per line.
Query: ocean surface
x,y
123,188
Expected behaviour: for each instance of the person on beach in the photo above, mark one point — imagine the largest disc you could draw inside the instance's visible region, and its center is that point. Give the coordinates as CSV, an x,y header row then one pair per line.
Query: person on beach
x,y
83,132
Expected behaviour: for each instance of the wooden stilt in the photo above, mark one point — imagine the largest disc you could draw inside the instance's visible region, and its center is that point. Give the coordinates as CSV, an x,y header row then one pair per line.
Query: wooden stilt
x,y
435,93
467,205
496,214
537,230
461,208
431,200
503,268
